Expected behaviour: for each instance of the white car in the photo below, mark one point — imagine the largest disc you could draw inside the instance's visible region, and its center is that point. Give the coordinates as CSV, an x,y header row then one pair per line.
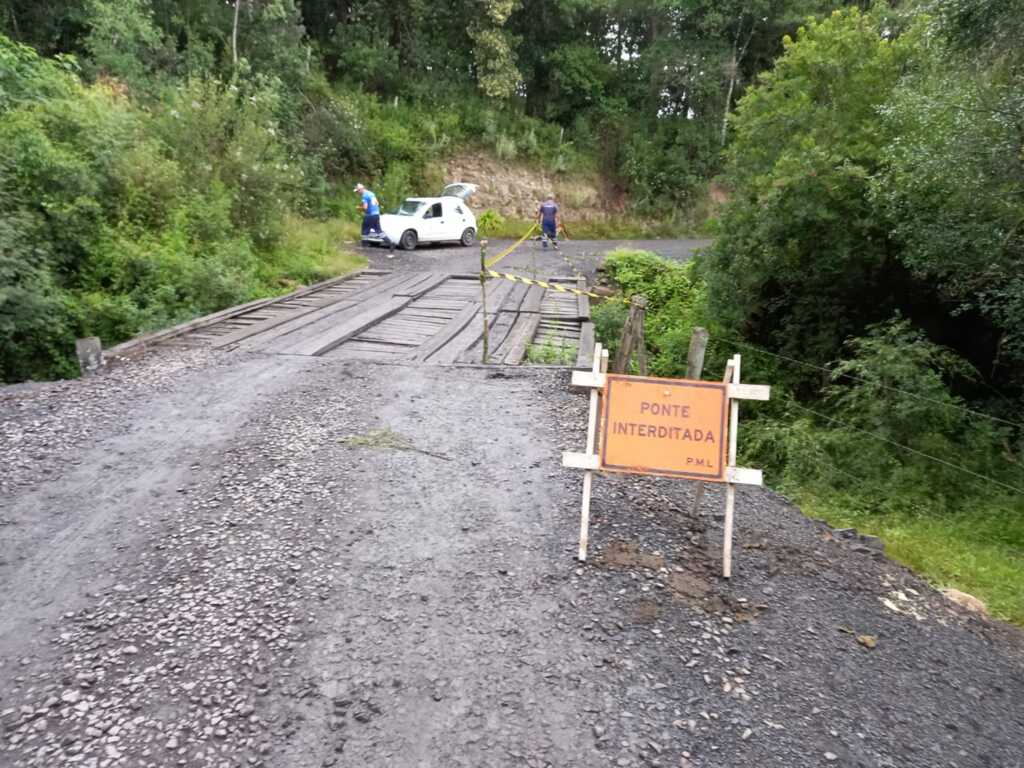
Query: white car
x,y
430,220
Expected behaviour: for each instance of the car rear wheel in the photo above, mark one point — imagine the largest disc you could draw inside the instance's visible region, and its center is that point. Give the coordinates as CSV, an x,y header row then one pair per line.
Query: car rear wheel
x,y
468,236
409,240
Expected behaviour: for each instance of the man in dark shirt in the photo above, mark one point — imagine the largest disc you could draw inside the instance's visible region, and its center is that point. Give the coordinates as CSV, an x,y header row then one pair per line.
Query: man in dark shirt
x,y
547,216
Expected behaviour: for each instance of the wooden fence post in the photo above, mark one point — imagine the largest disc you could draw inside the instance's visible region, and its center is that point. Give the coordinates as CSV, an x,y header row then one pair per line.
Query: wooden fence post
x,y
90,354
695,358
633,338
483,295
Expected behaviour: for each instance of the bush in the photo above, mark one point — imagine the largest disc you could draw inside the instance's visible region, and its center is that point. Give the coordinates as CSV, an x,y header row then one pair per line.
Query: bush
x,y
117,219
675,304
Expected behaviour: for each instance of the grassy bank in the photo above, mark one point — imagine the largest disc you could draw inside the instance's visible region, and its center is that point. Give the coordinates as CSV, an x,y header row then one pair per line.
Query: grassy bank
x,y
612,228
310,251
979,550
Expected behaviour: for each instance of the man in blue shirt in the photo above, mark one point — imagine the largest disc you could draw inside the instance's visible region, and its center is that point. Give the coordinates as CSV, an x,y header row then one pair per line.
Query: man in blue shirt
x,y
371,210
547,215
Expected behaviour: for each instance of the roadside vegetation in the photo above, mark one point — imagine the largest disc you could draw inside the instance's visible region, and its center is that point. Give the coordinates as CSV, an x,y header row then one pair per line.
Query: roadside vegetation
x,y
621,227
164,158
868,267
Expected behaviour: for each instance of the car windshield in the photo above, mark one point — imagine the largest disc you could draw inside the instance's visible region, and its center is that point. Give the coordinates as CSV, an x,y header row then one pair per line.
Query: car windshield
x,y
409,207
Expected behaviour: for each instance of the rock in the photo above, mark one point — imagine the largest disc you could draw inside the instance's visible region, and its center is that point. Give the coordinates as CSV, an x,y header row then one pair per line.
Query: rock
x,y
844,533
873,542
599,731
831,756
71,696
868,641
964,600
747,734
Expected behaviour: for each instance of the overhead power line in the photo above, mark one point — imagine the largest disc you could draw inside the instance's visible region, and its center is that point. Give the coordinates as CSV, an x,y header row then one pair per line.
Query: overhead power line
x,y
923,398
907,448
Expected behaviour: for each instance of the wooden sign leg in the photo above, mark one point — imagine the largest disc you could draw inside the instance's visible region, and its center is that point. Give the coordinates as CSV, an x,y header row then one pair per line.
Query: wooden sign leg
x,y
585,517
730,503
730,490
588,476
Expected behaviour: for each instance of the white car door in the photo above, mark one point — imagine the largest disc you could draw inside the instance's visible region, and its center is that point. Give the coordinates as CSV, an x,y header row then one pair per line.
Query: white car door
x,y
453,221
432,224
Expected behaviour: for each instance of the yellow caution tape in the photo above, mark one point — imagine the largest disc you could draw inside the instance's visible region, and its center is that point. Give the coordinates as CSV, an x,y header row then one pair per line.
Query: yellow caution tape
x,y
509,250
553,286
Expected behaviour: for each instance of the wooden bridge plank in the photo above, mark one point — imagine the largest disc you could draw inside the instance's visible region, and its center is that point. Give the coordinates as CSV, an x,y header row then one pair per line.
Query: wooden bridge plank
x,y
346,329
513,350
451,329
313,323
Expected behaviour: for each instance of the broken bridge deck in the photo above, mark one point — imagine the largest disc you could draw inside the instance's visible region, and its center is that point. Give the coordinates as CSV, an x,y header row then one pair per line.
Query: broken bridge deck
x,y
417,317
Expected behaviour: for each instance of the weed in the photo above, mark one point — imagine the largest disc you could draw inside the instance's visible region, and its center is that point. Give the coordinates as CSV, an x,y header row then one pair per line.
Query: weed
x,y
310,251
389,440
551,352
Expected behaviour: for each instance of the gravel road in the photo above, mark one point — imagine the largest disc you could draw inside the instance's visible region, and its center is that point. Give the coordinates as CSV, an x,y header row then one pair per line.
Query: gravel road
x,y
573,257
230,559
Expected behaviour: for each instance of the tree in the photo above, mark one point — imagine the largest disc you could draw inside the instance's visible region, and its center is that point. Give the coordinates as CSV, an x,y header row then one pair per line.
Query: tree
x,y
804,260
494,48
953,184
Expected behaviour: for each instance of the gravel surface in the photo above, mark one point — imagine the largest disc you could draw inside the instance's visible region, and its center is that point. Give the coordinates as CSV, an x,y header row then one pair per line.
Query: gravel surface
x,y
241,560
573,256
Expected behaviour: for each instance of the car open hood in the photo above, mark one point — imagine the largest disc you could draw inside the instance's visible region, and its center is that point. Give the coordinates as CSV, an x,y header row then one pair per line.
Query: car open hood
x,y
459,189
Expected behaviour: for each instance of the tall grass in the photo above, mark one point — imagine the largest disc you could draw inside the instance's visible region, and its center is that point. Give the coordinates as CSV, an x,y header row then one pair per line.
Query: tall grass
x,y
310,251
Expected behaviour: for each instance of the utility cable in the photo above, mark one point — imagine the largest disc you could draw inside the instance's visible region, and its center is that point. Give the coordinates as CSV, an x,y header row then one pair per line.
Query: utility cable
x,y
923,398
907,448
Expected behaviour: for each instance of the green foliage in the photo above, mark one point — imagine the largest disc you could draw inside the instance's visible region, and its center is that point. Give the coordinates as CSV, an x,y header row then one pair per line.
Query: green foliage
x,y
609,318
25,77
801,246
310,251
490,223
953,189
116,218
550,351
675,300
123,40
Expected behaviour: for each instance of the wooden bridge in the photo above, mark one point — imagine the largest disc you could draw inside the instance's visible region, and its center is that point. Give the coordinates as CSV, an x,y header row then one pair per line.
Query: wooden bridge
x,y
413,317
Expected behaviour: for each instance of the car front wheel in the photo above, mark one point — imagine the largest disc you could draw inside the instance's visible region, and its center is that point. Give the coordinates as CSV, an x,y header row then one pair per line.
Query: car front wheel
x,y
468,236
409,240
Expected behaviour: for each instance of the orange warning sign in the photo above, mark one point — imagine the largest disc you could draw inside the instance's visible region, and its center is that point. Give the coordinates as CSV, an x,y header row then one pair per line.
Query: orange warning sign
x,y
672,427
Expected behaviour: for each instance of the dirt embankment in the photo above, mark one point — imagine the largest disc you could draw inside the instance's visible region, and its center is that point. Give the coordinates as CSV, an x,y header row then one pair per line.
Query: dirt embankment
x,y
515,189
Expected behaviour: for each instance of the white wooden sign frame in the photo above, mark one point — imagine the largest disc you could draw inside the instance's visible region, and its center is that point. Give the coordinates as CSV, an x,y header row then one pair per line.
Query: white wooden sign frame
x,y
590,461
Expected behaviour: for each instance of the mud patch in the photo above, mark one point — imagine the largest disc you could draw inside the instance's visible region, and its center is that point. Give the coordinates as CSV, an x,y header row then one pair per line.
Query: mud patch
x,y
647,612
627,554
689,586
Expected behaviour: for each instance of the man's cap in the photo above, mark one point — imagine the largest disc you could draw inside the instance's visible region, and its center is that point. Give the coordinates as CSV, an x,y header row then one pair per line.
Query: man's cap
x,y
358,188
